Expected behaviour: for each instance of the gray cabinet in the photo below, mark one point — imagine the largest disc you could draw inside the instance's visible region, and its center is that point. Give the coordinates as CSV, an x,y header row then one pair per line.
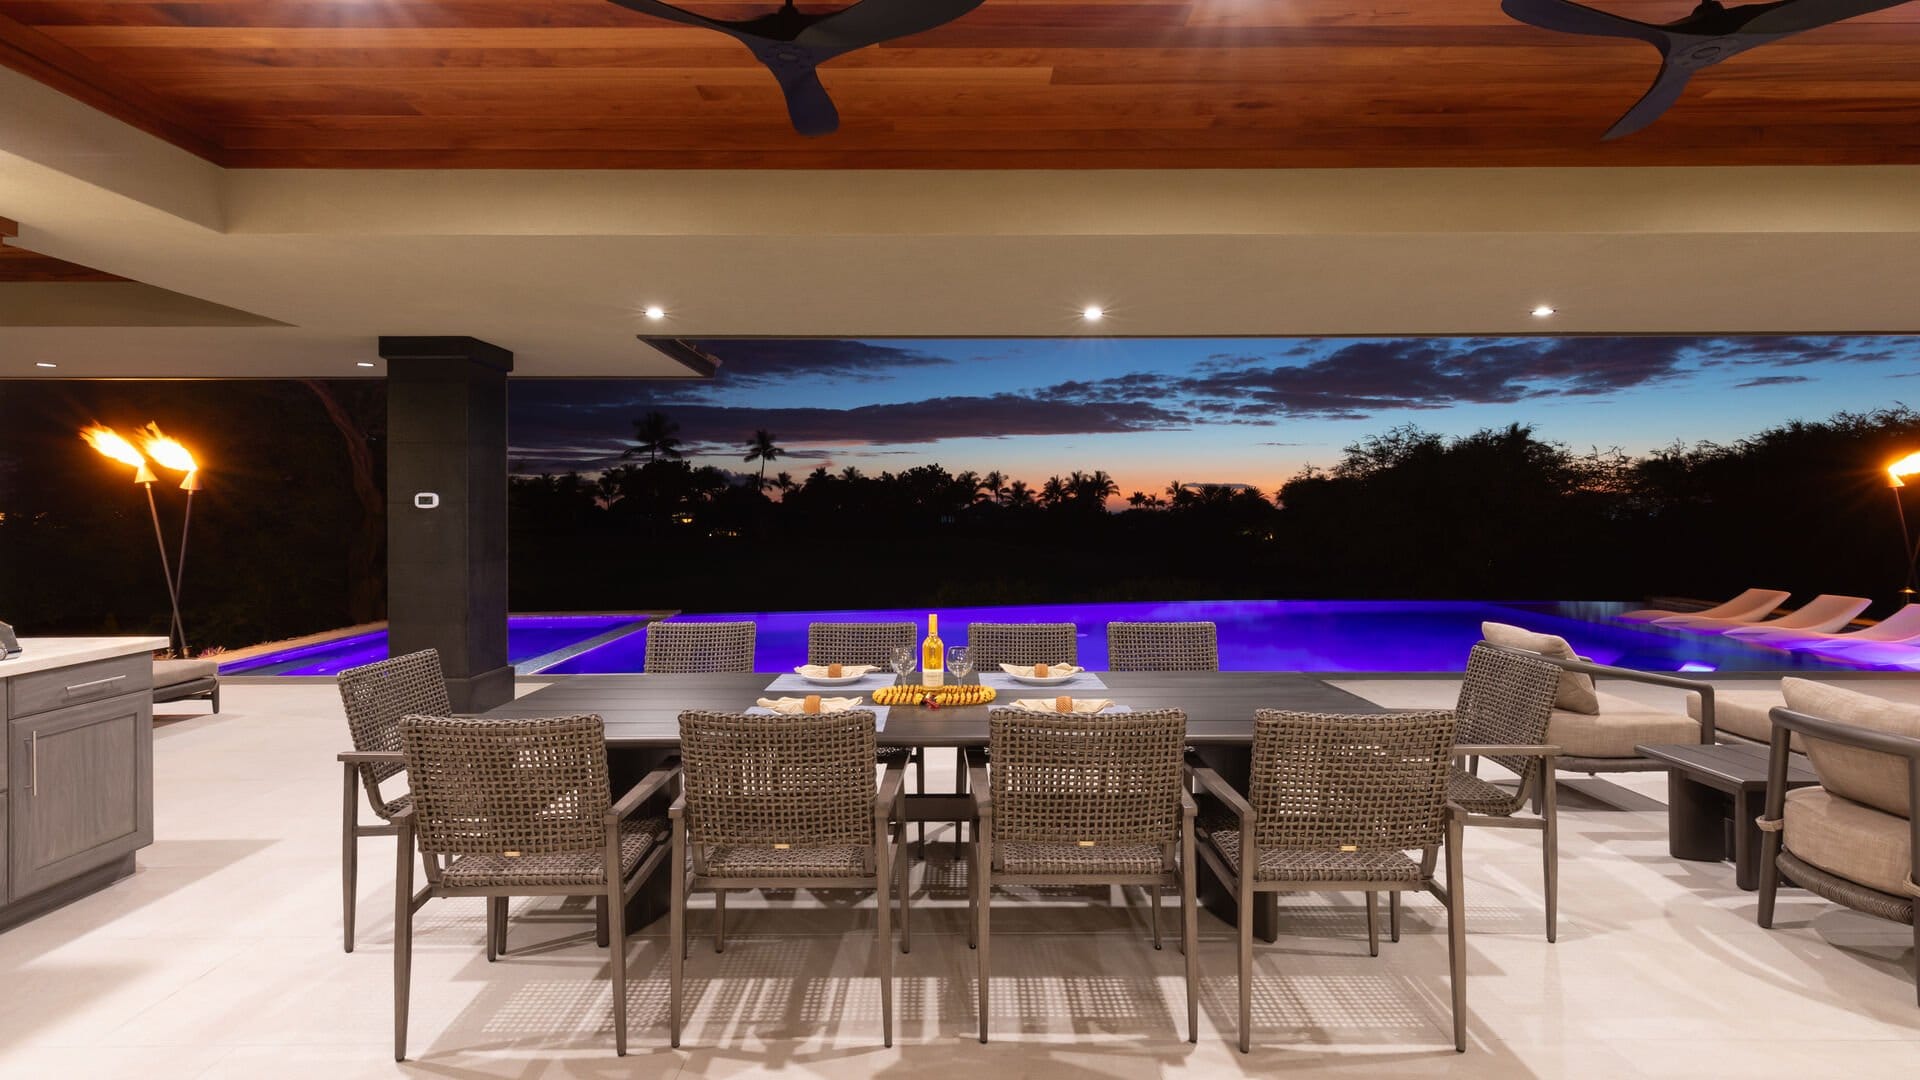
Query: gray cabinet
x,y
81,790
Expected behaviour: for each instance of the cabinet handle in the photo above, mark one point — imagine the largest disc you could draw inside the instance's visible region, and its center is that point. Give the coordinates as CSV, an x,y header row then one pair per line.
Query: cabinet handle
x,y
33,757
97,682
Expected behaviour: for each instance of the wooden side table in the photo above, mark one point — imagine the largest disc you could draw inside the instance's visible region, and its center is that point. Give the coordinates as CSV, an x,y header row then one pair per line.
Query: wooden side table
x,y
1712,787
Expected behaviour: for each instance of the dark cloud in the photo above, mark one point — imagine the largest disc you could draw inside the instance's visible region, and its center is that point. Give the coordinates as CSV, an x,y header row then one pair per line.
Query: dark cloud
x,y
1771,380
1794,351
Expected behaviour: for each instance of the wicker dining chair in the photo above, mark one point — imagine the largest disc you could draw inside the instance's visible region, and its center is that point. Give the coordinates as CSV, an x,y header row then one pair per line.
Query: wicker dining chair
x,y
870,643
1084,800
1334,805
1506,702
1163,646
786,802
375,697
697,647
520,808
996,643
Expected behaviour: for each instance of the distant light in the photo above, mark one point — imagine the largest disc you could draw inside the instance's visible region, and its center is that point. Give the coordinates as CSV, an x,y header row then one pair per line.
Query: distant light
x,y
1696,666
45,363
1542,312
365,363
1093,313
656,313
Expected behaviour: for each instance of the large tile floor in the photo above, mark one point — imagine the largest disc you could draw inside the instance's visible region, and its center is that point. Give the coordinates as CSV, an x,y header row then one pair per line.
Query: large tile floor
x,y
221,958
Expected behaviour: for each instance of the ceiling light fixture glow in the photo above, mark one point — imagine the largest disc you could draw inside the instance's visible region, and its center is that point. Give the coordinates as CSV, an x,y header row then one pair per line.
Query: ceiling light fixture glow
x,y
1093,313
45,363
364,363
656,313
1543,312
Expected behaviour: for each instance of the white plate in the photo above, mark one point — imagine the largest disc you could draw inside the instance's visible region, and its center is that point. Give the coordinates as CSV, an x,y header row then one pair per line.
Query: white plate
x,y
844,680
1051,680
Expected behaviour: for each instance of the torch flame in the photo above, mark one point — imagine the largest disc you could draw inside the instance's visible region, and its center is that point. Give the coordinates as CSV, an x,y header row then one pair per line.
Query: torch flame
x,y
108,442
168,452
1906,466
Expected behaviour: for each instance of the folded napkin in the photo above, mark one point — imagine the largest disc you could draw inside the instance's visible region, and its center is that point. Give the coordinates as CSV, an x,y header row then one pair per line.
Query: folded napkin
x,y
1053,670
819,671
799,705
1081,706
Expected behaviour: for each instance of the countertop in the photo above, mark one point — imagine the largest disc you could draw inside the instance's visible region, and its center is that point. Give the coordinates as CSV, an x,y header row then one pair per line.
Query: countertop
x,y
47,653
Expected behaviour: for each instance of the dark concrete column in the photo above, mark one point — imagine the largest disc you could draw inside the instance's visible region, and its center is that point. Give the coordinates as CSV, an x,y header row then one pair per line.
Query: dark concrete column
x,y
447,510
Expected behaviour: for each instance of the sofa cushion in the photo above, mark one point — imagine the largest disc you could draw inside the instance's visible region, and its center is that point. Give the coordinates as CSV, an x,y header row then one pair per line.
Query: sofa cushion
x,y
175,672
1849,840
1576,692
1613,731
1744,713
1865,776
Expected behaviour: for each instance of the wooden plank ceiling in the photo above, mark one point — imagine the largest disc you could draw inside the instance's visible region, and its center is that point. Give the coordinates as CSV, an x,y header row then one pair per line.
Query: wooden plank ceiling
x,y
1015,84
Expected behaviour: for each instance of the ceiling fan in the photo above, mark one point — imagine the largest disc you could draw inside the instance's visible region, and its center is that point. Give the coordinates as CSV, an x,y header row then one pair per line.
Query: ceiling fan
x,y
793,44
1710,34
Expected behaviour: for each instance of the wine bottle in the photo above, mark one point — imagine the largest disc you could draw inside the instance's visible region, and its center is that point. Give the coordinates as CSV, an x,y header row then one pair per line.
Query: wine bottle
x,y
933,655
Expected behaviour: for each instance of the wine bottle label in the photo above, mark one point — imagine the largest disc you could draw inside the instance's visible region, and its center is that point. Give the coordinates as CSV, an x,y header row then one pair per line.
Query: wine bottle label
x,y
932,676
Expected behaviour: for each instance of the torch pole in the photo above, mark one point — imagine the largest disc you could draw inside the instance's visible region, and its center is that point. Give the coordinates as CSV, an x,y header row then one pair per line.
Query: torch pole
x,y
180,569
1907,548
175,641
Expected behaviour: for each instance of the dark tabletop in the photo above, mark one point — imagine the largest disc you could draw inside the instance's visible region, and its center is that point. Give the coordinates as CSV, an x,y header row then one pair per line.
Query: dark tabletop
x,y
644,710
1737,764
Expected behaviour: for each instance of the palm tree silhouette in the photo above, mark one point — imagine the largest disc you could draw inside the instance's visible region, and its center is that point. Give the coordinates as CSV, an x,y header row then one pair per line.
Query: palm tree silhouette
x,y
655,436
1018,494
994,484
783,483
762,448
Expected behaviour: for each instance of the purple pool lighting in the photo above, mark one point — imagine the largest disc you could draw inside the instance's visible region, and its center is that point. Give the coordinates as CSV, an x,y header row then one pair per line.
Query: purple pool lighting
x,y
532,641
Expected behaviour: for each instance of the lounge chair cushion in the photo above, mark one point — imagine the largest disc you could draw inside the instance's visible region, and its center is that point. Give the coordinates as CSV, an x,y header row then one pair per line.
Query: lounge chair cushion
x,y
1576,693
1744,713
1878,780
1620,723
174,672
1849,840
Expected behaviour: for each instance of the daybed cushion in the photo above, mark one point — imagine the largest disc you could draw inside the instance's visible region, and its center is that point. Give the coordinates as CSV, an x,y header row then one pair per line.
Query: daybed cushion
x,y
1849,840
174,672
1744,713
1576,689
1620,724
1878,780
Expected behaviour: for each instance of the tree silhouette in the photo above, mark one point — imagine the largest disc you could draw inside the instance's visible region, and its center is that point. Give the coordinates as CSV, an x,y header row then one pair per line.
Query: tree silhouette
x,y
655,436
994,484
763,449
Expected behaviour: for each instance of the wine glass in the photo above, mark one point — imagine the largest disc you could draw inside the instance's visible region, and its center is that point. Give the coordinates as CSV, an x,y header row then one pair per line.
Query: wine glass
x,y
960,663
900,659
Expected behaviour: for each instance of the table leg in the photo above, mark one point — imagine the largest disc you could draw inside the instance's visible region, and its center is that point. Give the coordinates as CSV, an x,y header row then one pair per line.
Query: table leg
x,y
1235,765
1694,815
1746,839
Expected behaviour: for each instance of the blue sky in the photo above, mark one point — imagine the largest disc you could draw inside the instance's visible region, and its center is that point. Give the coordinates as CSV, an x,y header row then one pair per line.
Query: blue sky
x,y
1239,410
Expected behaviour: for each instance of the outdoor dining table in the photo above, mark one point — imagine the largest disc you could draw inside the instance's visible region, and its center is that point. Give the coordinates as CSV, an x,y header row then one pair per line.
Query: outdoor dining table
x,y
642,718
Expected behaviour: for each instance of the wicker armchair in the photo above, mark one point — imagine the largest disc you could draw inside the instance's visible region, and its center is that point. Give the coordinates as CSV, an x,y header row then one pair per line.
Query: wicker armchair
x,y
1084,800
375,697
1162,646
1854,838
786,802
519,808
678,648
993,644
858,642
1506,701
1335,803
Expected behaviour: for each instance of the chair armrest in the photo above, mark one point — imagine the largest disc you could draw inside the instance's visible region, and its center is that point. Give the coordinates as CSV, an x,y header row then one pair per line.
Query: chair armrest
x,y
679,808
1212,784
1188,808
647,788
979,783
1501,749
373,757
891,783
1650,678
1845,734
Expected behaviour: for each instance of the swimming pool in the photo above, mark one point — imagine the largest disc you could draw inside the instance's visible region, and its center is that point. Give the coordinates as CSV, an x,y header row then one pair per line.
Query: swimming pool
x,y
1255,635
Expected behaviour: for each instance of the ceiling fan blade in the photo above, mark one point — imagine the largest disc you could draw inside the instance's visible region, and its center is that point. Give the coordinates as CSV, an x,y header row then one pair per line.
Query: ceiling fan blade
x,y
660,10
808,105
1793,16
1571,18
870,22
1666,90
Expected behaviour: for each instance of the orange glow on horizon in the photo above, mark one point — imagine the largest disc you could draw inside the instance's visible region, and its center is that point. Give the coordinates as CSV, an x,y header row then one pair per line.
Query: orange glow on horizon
x,y
109,443
1906,466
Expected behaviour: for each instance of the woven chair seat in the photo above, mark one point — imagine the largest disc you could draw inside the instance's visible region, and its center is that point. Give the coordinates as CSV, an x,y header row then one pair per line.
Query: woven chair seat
x,y
1301,864
759,860
637,838
885,754
1477,796
1051,857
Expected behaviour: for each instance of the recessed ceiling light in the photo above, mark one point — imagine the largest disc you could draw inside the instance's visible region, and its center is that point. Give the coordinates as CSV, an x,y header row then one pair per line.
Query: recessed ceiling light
x,y
45,363
656,313
1093,313
1542,312
365,363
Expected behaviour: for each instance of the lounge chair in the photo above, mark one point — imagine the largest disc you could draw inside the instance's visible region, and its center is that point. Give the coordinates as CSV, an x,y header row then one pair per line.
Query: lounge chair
x,y
1902,625
1828,611
1749,605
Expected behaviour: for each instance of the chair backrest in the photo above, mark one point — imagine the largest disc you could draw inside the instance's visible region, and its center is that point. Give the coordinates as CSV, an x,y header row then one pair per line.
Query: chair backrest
x,y
376,696
1332,782
1109,779
805,781
993,644
692,647
1507,699
858,642
1162,646
484,787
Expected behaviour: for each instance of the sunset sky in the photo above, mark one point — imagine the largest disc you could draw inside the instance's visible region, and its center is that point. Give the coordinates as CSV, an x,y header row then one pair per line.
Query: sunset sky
x,y
1252,411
